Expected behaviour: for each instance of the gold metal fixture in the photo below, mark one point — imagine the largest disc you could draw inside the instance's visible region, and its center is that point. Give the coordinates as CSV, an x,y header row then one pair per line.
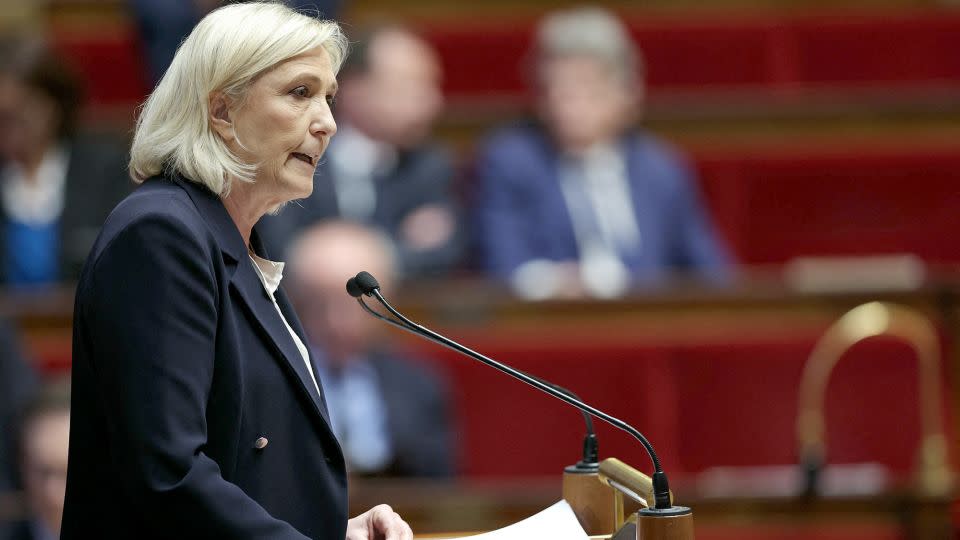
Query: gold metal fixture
x,y
864,321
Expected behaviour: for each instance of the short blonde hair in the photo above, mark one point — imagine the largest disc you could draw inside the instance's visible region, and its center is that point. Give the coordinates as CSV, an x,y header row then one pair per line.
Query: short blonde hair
x,y
226,52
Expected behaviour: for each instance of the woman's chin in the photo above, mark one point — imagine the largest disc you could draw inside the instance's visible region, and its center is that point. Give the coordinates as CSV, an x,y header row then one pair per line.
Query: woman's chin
x,y
297,185
276,209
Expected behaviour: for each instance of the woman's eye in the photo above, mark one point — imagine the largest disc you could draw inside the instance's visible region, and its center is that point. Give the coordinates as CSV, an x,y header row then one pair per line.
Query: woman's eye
x,y
301,91
331,101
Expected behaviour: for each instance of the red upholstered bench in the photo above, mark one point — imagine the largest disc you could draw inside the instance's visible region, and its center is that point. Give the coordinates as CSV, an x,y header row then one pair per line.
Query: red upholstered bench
x,y
109,62
709,405
775,204
772,52
776,52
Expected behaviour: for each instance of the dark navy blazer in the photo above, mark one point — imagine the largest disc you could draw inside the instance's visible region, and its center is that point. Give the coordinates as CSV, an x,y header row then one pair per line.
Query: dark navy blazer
x,y
181,363
521,213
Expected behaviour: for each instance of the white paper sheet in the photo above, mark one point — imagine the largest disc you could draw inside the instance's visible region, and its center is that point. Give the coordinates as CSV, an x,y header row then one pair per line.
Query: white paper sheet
x,y
557,522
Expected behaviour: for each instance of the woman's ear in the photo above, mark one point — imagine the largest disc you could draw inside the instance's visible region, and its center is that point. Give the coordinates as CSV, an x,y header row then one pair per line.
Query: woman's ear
x,y
220,118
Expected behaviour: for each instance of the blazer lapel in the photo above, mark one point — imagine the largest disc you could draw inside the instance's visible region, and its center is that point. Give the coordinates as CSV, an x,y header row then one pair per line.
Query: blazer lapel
x,y
288,312
258,302
255,299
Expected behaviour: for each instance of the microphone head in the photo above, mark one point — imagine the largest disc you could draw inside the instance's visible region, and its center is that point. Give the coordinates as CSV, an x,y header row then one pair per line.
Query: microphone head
x,y
366,282
353,288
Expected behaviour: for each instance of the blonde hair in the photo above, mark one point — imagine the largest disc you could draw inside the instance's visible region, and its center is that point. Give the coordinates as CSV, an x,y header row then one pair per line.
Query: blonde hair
x,y
225,53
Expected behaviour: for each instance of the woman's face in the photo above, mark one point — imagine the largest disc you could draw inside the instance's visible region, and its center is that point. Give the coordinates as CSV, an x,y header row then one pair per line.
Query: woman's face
x,y
28,121
285,123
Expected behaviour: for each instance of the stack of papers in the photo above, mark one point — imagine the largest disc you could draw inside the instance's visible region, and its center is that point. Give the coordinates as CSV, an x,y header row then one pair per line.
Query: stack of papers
x,y
557,522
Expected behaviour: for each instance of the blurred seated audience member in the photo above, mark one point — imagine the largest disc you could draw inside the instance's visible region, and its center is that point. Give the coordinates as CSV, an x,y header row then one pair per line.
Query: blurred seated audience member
x,y
44,435
390,413
18,382
382,168
164,24
56,185
582,202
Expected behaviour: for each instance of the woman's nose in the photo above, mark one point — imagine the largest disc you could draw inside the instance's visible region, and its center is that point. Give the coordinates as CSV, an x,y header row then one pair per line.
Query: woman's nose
x,y
322,123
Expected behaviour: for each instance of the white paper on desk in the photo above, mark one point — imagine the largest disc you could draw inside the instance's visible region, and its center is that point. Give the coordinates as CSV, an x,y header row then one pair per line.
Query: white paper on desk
x,y
557,522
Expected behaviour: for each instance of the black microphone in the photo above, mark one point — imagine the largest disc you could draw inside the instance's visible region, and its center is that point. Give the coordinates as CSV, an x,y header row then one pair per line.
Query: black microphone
x,y
365,284
353,288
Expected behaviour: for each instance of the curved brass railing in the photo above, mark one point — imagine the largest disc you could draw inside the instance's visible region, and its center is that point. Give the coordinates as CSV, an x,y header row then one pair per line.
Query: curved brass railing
x,y
864,321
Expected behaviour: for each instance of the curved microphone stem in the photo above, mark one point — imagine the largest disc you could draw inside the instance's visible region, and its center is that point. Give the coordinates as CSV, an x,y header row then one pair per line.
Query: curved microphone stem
x,y
661,487
590,443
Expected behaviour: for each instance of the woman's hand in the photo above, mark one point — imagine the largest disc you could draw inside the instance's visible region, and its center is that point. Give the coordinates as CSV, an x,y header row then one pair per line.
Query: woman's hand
x,y
378,523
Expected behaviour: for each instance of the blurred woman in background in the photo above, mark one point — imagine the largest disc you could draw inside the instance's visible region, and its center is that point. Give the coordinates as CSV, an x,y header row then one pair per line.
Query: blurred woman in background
x,y
56,185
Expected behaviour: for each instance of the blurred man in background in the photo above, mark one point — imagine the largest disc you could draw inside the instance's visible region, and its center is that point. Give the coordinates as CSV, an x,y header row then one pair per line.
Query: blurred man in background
x,y
44,436
581,202
56,185
382,168
391,414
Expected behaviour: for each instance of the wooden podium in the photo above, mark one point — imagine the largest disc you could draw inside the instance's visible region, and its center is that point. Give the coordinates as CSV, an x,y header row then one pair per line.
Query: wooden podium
x,y
610,501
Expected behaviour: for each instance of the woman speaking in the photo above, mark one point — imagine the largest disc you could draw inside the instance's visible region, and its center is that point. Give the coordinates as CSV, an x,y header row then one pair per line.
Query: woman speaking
x,y
196,410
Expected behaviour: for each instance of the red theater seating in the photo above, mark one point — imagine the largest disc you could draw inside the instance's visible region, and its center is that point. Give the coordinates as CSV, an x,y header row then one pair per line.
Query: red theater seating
x,y
775,52
780,203
771,52
110,64
724,404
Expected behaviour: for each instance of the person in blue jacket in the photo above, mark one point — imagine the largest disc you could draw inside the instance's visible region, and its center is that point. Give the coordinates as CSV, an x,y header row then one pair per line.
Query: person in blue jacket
x,y
580,201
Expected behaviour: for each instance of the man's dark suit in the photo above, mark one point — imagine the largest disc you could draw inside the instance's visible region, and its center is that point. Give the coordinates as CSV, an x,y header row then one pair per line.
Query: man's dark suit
x,y
521,214
418,417
96,181
194,415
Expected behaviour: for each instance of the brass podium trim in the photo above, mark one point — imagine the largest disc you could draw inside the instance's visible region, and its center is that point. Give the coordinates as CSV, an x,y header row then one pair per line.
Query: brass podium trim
x,y
864,321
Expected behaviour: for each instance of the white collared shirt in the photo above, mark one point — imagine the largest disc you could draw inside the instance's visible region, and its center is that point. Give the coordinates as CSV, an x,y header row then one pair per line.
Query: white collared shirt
x,y
607,215
270,273
36,201
596,189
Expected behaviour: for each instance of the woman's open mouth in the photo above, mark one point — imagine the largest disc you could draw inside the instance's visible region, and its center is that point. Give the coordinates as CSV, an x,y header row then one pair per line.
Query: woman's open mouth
x,y
305,158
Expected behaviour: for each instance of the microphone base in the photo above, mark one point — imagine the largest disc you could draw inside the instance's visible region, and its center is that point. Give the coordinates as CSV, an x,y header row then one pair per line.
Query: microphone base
x,y
674,523
593,502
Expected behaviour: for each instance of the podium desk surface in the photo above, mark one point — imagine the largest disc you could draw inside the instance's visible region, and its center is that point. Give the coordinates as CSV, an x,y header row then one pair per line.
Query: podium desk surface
x,y
434,509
